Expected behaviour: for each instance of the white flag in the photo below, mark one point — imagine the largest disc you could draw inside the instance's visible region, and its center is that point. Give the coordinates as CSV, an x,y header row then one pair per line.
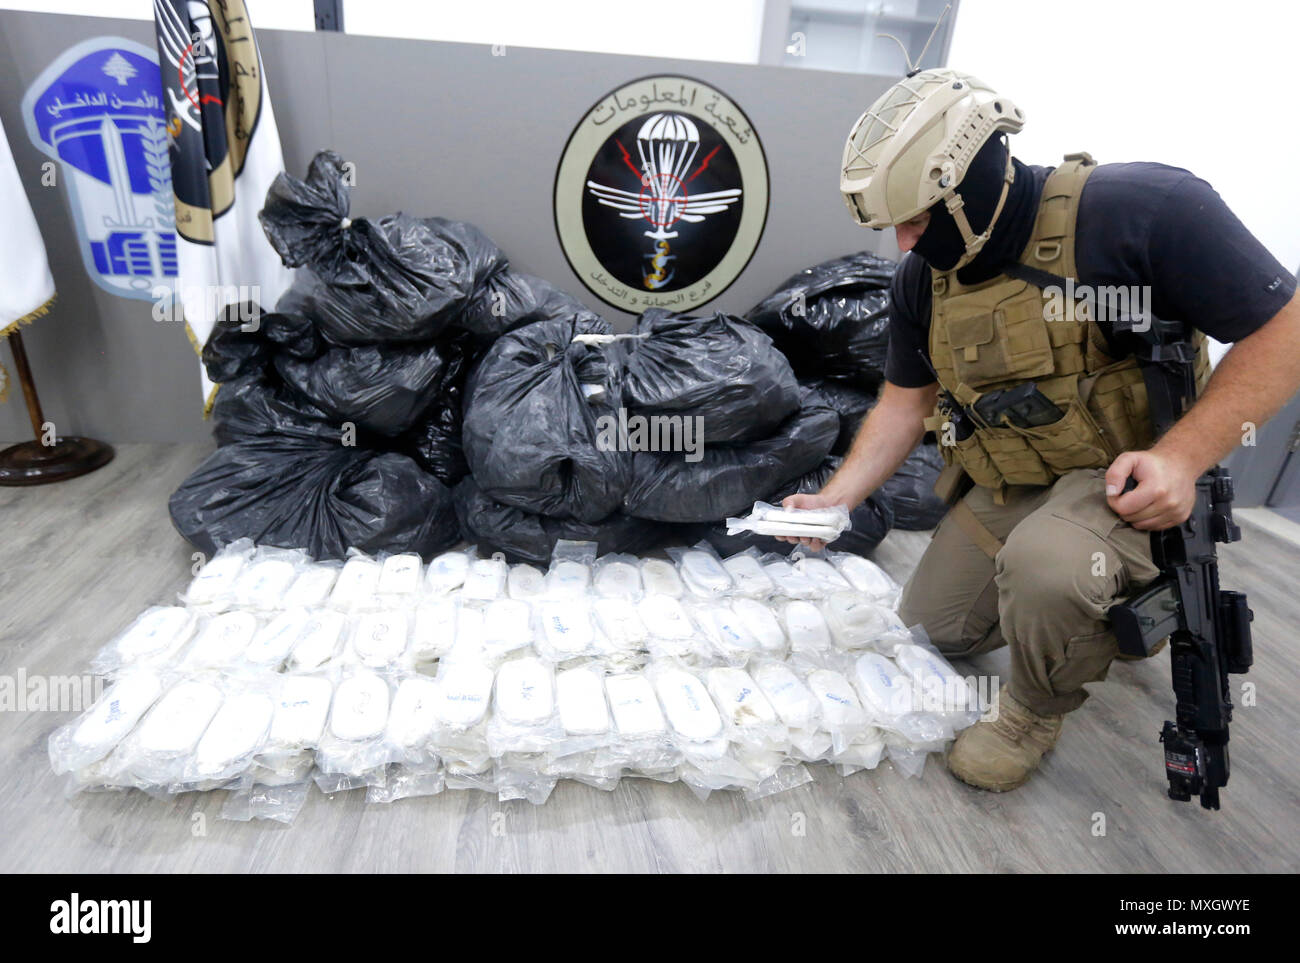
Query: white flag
x,y
225,152
26,286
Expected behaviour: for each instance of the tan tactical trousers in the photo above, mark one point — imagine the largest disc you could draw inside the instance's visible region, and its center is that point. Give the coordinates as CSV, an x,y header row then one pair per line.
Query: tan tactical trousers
x,y
1066,558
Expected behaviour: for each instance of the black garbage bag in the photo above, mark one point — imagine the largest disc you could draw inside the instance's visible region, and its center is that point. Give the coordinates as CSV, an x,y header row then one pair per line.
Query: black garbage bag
x,y
510,299
381,388
871,520
321,497
852,404
832,319
531,431
911,490
258,406
294,335
435,440
728,480
720,369
236,345
387,280
525,537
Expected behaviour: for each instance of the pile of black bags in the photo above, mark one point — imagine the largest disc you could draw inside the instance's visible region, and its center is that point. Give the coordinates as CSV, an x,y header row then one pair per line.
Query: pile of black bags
x,y
411,390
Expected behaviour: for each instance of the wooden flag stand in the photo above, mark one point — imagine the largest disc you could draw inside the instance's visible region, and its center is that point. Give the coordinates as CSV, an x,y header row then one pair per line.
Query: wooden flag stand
x,y
35,463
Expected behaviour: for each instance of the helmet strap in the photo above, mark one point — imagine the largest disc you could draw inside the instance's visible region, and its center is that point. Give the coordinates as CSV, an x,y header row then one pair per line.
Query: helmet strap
x,y
975,242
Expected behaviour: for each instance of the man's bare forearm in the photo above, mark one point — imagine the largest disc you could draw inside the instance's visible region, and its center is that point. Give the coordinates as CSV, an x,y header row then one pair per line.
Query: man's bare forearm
x,y
1250,385
884,441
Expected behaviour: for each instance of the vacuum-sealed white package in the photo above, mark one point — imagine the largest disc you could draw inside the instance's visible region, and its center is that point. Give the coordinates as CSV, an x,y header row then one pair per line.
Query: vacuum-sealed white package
x,y
942,690
842,714
360,709
266,578
155,753
620,624
468,646
864,752
447,572
237,731
792,700
221,640
486,579
750,579
413,718
867,577
525,582
635,707
790,583
665,618
464,691
434,631
888,694
580,697
856,622
356,583
566,631
806,629
507,627
570,572
660,578
399,575
301,708
702,571
319,640
155,636
727,633
617,577
380,638
523,717
749,716
273,642
98,730
821,572
686,703
762,624
313,585
826,524
213,585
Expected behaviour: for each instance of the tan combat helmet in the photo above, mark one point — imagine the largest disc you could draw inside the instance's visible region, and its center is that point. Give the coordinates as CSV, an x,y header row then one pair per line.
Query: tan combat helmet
x,y
913,146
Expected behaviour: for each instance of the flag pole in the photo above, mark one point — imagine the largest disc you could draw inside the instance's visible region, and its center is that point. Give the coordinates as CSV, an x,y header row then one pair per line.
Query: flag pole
x,y
34,462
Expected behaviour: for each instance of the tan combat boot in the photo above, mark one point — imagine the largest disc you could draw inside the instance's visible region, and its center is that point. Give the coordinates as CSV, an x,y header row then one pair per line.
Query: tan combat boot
x,y
1002,754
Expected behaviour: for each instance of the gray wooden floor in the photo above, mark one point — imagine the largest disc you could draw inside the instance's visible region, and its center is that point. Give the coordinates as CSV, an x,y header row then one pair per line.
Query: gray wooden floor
x,y
80,559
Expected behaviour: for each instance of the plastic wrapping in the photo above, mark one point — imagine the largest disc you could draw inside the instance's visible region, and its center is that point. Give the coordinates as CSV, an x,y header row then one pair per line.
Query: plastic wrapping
x,y
97,731
564,630
447,572
748,576
153,638
617,577
157,751
942,690
525,582
569,576
220,641
266,577
867,577
213,586
660,578
524,717
352,743
762,624
888,696
507,627
273,641
237,732
859,623
793,701
531,414
749,716
433,630
320,639
728,634
510,299
485,579
727,480
809,635
826,524
357,583
842,714
412,721
400,576
718,369
313,585
790,582
702,572
850,403
820,572
379,639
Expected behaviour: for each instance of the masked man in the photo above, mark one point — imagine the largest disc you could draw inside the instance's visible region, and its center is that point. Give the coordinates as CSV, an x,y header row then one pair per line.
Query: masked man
x,y
1004,342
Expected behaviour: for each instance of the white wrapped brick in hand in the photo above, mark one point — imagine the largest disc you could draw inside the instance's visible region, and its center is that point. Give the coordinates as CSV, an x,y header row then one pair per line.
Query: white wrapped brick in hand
x,y
826,524
360,708
636,710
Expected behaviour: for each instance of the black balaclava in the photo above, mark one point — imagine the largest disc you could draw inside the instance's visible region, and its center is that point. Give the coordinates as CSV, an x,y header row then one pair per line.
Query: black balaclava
x,y
941,245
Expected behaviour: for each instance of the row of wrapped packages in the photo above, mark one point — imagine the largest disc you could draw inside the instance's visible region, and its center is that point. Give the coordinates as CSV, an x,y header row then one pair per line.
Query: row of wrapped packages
x,y
469,673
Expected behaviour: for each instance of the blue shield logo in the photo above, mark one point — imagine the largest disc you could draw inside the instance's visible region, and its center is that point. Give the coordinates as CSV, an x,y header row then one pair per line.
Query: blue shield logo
x,y
98,110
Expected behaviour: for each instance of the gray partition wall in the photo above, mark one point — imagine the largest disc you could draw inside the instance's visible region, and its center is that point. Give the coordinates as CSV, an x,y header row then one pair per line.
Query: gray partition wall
x,y
434,128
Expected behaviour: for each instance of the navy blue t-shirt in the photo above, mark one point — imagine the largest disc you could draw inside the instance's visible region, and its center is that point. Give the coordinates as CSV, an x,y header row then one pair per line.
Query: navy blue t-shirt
x,y
1138,224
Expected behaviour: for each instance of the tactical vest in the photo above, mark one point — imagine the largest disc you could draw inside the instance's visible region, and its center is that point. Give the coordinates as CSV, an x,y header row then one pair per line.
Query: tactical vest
x,y
1000,333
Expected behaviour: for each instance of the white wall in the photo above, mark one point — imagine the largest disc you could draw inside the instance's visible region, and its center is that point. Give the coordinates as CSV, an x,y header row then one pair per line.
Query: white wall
x,y
1206,86
265,14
